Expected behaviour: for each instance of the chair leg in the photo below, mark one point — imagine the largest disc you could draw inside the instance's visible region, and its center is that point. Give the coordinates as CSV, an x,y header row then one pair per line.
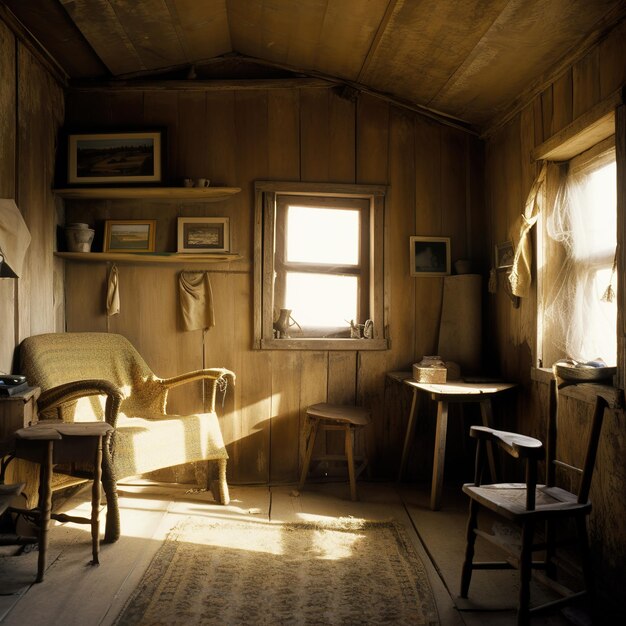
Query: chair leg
x,y
472,523
219,487
550,531
585,555
95,504
525,570
350,459
309,453
112,525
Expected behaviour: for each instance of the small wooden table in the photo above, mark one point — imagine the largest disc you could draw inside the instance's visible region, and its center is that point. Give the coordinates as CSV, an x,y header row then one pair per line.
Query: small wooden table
x,y
53,442
443,394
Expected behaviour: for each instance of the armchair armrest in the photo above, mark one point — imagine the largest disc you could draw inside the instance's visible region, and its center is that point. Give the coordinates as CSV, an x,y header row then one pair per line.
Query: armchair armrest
x,y
56,397
518,446
218,375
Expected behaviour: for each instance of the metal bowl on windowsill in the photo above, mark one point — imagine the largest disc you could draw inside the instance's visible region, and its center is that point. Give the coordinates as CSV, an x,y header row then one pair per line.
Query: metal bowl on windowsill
x,y
590,372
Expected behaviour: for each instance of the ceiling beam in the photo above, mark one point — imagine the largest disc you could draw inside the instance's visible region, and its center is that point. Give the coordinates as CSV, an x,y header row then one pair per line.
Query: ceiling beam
x,y
380,31
26,38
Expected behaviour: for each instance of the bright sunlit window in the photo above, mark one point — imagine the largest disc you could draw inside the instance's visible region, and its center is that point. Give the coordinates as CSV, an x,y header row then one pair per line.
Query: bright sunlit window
x,y
581,305
320,236
320,272
338,229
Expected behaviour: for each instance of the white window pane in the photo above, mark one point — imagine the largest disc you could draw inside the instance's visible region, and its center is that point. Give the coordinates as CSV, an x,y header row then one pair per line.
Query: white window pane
x,y
596,234
318,235
321,300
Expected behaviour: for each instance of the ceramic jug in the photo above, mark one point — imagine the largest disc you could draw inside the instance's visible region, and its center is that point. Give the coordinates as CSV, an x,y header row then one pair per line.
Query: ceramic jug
x,y
284,323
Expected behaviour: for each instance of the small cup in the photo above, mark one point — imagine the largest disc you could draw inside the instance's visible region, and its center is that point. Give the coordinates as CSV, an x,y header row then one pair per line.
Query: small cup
x,y
202,182
462,266
187,182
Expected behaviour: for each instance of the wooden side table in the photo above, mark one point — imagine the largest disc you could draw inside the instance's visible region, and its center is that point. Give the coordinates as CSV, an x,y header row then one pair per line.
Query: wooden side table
x,y
444,394
52,442
18,411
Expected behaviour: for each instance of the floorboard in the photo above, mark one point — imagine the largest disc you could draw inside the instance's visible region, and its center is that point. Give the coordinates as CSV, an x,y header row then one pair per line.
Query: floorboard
x,y
75,593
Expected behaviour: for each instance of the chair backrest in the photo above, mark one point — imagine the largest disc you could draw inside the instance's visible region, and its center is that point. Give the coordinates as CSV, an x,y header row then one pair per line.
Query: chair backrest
x,y
53,359
553,462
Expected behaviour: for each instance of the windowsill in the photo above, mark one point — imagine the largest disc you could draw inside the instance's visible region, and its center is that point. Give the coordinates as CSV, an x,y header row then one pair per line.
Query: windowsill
x,y
585,392
324,344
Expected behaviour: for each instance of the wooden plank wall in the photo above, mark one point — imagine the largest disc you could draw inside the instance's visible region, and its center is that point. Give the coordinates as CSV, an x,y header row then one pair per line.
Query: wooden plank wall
x,y
307,134
509,175
31,112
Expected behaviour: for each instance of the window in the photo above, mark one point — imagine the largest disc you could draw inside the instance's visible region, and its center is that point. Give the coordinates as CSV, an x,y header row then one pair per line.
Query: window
x,y
319,266
579,273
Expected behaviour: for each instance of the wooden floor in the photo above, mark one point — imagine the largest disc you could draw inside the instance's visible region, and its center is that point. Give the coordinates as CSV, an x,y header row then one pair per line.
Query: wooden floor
x,y
75,593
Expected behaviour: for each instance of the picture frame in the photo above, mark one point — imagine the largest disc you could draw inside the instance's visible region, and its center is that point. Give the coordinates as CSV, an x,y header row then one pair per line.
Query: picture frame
x,y
133,157
135,236
203,235
430,256
504,255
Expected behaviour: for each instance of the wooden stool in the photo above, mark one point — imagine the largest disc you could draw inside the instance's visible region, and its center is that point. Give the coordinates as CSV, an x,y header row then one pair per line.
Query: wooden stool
x,y
49,443
335,417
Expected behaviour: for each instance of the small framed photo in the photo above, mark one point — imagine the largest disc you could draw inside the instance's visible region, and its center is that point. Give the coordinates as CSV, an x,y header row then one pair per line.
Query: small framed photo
x,y
203,234
430,256
505,253
129,235
106,158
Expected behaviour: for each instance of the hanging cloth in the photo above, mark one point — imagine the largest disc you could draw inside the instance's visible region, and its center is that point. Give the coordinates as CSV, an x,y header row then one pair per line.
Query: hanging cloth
x,y
519,276
113,292
196,300
14,239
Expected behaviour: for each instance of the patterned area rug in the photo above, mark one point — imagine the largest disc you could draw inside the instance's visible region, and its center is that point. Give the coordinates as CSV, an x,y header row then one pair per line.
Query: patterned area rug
x,y
230,572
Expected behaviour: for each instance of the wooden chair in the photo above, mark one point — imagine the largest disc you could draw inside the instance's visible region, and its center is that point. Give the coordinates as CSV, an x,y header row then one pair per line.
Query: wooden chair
x,y
336,417
528,505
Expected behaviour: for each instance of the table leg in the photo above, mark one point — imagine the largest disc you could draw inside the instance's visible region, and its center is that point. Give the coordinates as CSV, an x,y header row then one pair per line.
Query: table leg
x,y
45,507
487,417
440,455
410,430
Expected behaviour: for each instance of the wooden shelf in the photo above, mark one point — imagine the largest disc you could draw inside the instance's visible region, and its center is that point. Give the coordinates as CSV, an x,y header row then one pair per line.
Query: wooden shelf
x,y
142,257
189,194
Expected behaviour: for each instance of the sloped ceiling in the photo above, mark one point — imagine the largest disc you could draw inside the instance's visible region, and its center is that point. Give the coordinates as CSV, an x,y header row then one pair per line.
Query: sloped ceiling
x,y
467,59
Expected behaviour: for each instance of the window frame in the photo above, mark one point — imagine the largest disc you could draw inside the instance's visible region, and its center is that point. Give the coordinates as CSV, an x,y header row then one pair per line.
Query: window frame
x,y
591,158
266,194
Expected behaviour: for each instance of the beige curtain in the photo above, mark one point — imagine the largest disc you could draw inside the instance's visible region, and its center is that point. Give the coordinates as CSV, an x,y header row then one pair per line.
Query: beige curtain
x,y
519,276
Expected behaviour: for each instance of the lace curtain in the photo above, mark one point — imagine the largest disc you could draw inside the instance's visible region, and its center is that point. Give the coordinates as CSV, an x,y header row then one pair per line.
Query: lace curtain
x,y
580,313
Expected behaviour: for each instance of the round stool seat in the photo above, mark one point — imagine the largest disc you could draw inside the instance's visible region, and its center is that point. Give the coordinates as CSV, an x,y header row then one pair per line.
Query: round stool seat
x,y
340,413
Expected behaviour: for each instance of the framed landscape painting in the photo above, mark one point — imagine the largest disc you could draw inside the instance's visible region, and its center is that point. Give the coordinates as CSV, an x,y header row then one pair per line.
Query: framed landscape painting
x,y
203,234
129,235
107,158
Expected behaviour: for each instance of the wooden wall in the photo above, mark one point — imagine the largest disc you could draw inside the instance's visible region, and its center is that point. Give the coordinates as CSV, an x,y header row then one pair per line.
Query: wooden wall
x,y
235,137
509,176
31,111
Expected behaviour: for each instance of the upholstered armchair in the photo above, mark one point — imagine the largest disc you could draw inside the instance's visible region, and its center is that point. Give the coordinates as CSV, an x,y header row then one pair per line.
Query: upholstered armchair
x,y
146,437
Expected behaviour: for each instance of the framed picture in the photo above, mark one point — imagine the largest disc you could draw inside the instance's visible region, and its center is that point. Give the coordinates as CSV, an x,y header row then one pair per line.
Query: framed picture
x,y
430,256
133,157
505,253
129,235
203,234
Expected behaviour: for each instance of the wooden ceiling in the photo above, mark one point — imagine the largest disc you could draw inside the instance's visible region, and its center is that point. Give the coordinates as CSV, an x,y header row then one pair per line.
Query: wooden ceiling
x,y
467,59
